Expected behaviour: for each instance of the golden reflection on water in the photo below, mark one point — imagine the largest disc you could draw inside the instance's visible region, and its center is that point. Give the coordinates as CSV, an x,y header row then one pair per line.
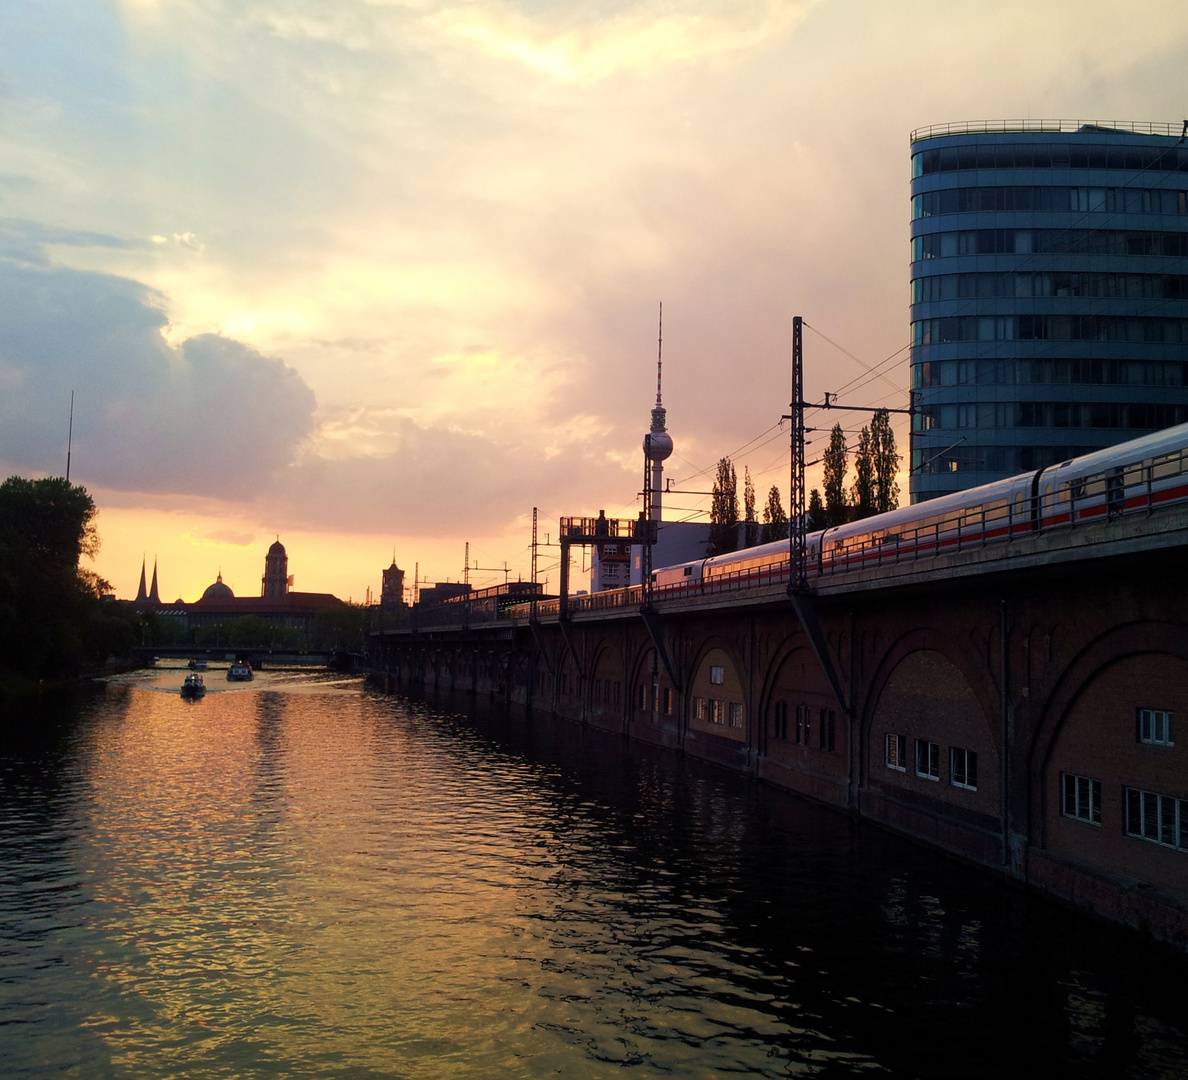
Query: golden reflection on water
x,y
299,878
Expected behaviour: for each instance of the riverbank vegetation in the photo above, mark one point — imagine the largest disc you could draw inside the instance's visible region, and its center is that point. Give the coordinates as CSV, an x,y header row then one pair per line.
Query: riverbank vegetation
x,y
56,618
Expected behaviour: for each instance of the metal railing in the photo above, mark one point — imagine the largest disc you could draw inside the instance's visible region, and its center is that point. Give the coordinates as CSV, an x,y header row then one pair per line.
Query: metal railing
x,y
1081,499
973,127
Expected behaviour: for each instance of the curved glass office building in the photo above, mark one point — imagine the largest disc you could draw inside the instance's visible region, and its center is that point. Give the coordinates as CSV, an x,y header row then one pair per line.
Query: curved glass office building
x,y
1049,292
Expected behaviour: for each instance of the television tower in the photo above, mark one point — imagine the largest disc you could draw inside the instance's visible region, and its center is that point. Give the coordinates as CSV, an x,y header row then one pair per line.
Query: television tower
x,y
658,443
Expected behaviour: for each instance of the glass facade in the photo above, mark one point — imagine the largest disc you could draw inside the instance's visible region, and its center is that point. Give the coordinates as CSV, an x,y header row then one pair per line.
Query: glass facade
x,y
1049,296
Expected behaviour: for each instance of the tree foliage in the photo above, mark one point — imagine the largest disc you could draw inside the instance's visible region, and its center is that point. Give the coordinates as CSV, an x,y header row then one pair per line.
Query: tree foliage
x,y
775,518
835,477
886,462
862,495
53,620
723,531
751,525
817,519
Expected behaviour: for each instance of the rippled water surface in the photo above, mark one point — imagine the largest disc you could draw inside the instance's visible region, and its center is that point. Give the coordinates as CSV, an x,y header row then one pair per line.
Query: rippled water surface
x,y
301,878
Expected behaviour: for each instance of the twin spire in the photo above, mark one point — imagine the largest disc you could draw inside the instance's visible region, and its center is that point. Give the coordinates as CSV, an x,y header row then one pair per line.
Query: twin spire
x,y
150,596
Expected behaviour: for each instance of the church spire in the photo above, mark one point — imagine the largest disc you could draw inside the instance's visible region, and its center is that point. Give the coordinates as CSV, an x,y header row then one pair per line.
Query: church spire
x,y
142,593
153,596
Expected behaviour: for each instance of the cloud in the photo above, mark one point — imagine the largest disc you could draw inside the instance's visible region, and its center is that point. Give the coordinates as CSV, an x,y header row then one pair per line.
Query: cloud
x,y
209,417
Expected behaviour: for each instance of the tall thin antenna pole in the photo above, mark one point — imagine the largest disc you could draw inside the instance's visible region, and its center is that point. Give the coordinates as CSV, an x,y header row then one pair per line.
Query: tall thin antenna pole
x,y
659,353
70,437
466,565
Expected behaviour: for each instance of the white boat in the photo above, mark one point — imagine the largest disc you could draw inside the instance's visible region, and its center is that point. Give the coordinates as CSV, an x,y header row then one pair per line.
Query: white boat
x,y
240,671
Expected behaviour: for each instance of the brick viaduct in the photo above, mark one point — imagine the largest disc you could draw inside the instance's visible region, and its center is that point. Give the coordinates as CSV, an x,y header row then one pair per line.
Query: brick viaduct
x,y
986,701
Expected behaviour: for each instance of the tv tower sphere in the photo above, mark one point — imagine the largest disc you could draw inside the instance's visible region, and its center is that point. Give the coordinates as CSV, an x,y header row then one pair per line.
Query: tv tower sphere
x,y
658,443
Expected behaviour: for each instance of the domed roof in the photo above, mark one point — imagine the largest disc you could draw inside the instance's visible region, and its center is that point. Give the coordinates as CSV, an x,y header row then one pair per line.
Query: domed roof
x,y
277,548
218,591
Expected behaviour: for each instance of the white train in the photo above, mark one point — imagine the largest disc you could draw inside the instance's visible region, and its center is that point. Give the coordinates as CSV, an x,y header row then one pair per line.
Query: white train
x,y
1132,476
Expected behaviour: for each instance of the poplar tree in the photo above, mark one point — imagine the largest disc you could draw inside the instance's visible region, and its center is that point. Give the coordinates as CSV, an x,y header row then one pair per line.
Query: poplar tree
x,y
723,534
886,462
816,513
775,520
863,492
751,527
836,510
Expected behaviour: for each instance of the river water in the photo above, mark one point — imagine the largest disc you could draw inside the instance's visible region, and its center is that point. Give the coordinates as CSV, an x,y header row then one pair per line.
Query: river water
x,y
298,877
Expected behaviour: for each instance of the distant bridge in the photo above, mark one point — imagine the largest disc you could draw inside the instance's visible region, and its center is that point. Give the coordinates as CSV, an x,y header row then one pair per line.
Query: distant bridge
x,y
1012,702
339,659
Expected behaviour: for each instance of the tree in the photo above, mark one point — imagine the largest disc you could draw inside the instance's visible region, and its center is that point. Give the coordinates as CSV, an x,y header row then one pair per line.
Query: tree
x,y
862,495
51,614
751,527
836,510
816,513
723,534
775,520
886,462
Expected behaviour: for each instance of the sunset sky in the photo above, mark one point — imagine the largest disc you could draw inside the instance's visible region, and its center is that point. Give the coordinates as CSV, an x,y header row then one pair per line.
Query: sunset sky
x,y
382,275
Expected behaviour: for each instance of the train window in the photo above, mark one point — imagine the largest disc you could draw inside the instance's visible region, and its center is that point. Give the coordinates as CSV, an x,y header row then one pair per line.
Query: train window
x,y
688,571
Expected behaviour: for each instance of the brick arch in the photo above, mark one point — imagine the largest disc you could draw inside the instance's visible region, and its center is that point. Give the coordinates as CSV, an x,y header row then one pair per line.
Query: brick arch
x,y
733,689
802,727
1115,644
956,650
790,645
604,687
954,703
1095,696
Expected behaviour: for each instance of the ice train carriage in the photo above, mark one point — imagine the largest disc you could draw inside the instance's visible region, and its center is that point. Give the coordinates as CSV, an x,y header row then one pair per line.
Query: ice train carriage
x,y
1132,476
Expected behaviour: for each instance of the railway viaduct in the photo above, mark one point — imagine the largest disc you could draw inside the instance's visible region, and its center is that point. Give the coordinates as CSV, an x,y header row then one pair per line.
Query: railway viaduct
x,y
1020,705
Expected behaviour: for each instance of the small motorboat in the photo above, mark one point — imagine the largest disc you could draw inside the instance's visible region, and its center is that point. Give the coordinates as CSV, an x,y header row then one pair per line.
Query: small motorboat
x,y
239,671
197,665
193,687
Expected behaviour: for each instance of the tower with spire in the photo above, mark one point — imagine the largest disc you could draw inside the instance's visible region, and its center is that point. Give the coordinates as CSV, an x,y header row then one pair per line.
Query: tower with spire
x,y
658,443
148,597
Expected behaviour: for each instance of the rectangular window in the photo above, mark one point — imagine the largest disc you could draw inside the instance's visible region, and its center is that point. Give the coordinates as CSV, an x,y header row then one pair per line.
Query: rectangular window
x,y
643,696
781,720
927,759
803,725
1161,819
1080,798
896,752
963,768
716,713
668,700
1155,727
737,717
826,731
717,674
699,712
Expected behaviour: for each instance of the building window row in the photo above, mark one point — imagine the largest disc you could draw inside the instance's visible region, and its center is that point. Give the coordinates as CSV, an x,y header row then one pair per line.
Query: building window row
x,y
662,700
943,245
1031,199
1162,819
1056,155
1132,329
801,728
1049,414
1003,285
607,692
1048,371
926,760
1001,459
722,713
